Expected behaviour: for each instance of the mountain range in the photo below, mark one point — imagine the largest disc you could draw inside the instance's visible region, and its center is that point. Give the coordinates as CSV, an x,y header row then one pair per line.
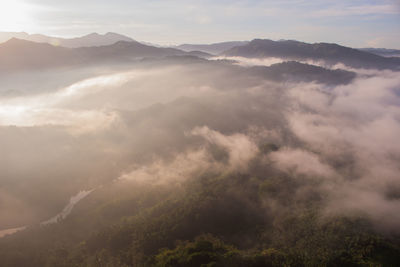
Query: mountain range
x,y
17,54
215,49
93,39
329,53
384,52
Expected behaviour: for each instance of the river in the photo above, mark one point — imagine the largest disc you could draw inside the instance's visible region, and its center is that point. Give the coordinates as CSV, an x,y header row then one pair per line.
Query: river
x,y
58,217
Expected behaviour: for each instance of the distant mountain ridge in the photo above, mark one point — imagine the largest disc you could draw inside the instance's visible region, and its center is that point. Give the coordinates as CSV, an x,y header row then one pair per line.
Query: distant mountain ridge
x,y
300,72
330,53
384,52
93,39
216,48
17,54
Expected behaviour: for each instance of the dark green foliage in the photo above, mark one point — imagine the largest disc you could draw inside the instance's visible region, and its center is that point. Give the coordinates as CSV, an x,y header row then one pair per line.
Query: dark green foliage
x,y
209,251
256,218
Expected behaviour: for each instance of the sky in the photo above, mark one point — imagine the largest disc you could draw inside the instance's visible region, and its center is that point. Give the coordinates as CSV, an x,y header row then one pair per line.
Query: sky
x,y
356,23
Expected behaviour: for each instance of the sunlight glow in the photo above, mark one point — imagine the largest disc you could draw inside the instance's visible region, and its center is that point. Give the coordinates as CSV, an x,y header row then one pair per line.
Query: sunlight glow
x,y
15,15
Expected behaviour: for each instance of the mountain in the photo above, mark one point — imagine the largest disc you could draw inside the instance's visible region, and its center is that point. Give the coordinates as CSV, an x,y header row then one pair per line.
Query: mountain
x,y
214,49
17,54
384,52
327,52
5,36
93,39
299,72
200,54
123,50
133,223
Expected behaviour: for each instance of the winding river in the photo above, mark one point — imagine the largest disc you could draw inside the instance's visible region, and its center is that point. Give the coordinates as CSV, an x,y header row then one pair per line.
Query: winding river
x,y
58,217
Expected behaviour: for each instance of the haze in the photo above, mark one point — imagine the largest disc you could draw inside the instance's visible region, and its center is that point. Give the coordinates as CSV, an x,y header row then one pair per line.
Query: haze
x,y
253,151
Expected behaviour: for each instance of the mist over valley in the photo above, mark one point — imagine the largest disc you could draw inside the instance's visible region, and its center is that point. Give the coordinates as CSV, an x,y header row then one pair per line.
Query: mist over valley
x,y
117,152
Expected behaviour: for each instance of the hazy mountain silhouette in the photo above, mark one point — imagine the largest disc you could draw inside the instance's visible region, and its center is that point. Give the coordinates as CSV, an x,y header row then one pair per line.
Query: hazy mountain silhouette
x,y
200,54
299,72
93,39
21,54
123,50
384,52
215,48
17,54
5,36
330,53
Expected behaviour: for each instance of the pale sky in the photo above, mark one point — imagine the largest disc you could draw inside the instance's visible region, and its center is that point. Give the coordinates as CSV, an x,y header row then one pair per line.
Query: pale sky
x,y
356,23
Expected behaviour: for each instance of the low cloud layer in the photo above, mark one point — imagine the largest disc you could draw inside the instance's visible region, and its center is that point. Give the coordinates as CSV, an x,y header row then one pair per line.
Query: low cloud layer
x,y
166,121
355,129
239,147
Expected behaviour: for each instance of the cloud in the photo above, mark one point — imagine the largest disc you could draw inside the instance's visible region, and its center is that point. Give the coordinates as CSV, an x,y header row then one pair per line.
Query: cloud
x,y
300,162
182,167
240,148
356,10
190,21
356,125
169,121
248,62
